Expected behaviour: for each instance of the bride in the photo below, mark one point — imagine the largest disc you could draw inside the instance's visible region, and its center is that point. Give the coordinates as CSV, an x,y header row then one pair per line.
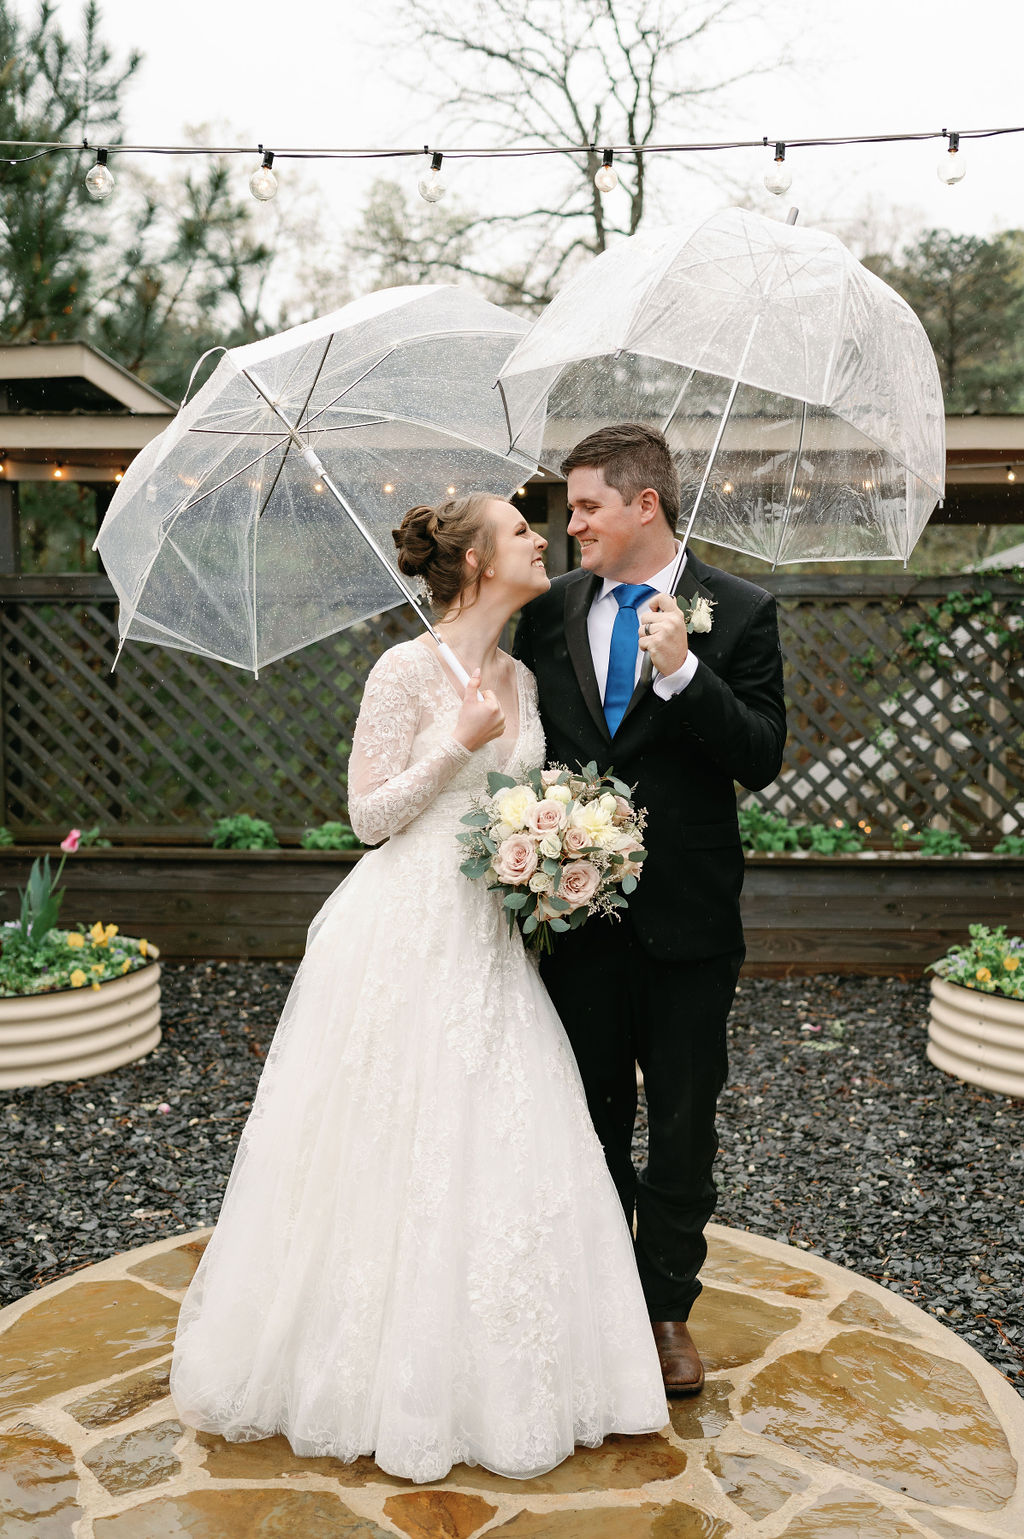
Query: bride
x,y
421,1254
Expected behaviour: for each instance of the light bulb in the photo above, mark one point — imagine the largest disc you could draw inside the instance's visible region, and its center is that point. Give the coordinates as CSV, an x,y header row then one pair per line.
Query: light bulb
x,y
263,183
727,487
450,491
606,179
58,472
99,183
1011,474
431,187
118,475
520,491
951,168
778,178
388,488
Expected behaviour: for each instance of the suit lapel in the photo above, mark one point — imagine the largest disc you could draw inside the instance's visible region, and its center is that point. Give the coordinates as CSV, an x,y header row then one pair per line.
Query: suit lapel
x,y
688,586
578,598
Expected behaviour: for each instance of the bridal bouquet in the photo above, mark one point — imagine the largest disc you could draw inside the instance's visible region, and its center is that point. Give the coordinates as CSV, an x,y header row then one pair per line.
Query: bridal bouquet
x,y
559,845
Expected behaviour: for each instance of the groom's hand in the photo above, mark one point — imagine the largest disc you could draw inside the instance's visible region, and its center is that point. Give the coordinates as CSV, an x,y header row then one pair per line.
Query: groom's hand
x,y
663,633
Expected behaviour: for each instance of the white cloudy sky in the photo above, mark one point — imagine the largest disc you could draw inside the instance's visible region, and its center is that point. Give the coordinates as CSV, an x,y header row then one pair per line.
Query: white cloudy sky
x,y
321,73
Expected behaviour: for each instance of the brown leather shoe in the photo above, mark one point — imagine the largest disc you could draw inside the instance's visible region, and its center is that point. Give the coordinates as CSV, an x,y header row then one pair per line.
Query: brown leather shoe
x,y
681,1367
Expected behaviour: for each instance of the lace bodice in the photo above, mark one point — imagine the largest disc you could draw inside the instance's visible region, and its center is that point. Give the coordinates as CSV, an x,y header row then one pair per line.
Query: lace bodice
x,y
404,758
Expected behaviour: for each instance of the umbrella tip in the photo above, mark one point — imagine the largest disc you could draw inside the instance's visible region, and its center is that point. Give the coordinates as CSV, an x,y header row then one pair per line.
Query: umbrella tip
x,y
793,216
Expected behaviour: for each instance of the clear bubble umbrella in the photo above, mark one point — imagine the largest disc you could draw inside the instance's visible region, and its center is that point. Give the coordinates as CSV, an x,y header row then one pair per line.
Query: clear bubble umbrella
x,y
260,519
799,392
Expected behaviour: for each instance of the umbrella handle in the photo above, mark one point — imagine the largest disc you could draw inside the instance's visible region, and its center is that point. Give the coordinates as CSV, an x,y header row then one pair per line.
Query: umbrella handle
x,y
453,663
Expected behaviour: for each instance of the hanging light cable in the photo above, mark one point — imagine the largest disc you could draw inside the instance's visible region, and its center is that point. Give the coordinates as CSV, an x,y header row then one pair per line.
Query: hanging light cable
x,y
99,183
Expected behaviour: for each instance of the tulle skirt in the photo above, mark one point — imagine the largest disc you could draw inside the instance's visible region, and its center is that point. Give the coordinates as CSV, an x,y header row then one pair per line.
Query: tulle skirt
x,y
420,1254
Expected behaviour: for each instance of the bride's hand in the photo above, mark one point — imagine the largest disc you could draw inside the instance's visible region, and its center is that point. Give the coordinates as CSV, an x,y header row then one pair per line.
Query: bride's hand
x,y
480,720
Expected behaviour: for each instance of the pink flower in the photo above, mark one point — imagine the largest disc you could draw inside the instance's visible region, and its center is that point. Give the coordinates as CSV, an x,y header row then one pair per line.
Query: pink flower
x,y
70,844
626,847
580,881
545,817
549,777
623,811
163,1108
515,860
575,839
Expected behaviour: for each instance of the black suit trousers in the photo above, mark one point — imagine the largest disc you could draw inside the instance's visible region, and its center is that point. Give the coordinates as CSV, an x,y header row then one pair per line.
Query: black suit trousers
x,y
620,1007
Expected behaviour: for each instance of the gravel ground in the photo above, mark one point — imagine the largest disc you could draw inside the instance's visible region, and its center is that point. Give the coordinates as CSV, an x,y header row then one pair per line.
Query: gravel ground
x,y
837,1136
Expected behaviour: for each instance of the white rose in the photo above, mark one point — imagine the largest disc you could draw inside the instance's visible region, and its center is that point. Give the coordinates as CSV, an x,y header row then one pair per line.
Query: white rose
x,y
511,802
501,832
541,882
700,617
591,817
608,838
550,847
559,794
608,804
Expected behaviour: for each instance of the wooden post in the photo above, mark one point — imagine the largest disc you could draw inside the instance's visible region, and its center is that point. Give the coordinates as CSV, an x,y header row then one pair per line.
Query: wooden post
x,y
10,532
559,555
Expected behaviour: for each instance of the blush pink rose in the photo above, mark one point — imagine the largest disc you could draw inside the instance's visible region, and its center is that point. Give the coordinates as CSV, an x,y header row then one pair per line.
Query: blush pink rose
x,y
625,848
549,777
516,860
70,844
545,817
575,839
623,811
580,881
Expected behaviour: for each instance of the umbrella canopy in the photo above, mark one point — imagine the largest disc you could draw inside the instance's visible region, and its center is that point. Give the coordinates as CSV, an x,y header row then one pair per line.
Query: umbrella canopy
x,y
798,390
259,520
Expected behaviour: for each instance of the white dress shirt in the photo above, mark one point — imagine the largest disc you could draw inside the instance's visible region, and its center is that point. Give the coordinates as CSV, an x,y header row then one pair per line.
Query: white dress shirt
x,y
601,619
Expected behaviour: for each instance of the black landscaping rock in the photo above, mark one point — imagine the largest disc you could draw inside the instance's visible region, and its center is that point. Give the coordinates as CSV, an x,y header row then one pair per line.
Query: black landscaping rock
x,y
837,1135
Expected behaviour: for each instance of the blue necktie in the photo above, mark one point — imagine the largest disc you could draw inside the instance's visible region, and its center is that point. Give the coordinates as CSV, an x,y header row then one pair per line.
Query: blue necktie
x,y
622,656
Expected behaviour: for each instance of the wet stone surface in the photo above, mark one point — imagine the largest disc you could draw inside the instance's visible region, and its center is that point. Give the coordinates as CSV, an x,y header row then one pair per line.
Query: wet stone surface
x,y
38,1487
676,1521
730,1263
705,1415
136,1460
172,1269
82,1334
240,1515
848,1515
904,1418
123,1398
860,1309
754,1483
730,1328
438,1514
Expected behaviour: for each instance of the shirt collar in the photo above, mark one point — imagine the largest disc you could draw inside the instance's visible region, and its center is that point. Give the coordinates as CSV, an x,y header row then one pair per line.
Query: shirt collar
x,y
659,581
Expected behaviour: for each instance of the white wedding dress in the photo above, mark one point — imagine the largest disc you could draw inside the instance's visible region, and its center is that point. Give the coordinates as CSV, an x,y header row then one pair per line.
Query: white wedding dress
x,y
420,1254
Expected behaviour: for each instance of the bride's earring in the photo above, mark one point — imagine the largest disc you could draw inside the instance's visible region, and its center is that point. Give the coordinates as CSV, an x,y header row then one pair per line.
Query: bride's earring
x,y
490,571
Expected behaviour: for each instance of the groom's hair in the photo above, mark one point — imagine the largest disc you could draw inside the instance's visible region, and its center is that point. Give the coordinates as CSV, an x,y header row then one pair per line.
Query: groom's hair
x,y
633,458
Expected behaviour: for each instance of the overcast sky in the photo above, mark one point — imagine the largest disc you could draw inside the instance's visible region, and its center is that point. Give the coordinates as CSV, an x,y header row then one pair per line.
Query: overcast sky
x,y
319,73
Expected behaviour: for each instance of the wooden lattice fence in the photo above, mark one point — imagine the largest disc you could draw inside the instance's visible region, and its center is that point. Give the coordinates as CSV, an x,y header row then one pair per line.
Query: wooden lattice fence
x,y
899,714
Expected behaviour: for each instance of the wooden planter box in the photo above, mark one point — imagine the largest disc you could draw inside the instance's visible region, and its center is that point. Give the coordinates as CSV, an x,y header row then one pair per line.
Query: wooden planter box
x,y
874,912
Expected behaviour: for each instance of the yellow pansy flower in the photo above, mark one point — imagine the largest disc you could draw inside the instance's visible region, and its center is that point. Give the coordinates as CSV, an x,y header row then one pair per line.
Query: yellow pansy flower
x,y
77,978
95,984
1011,964
74,939
110,931
98,934
126,964
97,967
983,975
143,948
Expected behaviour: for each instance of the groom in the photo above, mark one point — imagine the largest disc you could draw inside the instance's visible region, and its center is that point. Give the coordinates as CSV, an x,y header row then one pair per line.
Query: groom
x,y
683,717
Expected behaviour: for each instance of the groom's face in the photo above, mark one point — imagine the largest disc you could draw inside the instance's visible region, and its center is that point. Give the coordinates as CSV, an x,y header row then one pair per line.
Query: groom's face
x,y
606,528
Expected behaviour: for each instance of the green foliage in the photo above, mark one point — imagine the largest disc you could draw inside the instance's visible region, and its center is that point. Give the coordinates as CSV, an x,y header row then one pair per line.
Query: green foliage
x,y
928,639
990,962
89,838
40,902
6,837
769,832
330,836
1010,844
940,841
969,294
65,959
242,832
762,830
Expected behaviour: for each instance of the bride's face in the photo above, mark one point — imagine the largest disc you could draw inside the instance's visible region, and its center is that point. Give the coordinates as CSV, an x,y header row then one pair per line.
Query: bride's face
x,y
517,563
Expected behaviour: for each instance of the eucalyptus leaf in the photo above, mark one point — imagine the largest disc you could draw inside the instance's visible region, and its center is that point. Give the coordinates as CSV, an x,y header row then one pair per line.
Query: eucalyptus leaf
x,y
516,900
476,819
559,925
617,900
629,884
496,782
577,917
530,924
559,904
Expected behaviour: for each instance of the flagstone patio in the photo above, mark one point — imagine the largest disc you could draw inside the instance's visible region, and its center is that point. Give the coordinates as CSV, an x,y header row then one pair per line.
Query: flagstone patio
x,y
833,1410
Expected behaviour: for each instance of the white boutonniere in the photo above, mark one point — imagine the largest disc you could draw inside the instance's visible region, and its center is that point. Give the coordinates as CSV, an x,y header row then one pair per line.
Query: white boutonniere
x,y
697,612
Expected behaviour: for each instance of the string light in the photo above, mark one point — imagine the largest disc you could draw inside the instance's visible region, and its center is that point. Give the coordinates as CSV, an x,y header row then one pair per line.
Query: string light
x,y
607,178
778,178
99,183
58,472
449,491
119,474
951,168
263,183
520,491
387,488
1011,474
431,187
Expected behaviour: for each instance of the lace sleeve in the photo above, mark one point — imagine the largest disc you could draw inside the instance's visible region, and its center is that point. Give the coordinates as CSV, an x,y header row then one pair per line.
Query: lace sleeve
x,y
385,790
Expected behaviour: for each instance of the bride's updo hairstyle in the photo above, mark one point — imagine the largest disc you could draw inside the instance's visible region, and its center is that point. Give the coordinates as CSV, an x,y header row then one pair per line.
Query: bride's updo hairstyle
x,y
432,544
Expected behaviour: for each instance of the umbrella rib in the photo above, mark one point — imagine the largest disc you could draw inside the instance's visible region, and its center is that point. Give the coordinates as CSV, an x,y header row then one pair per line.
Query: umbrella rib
x,y
792,484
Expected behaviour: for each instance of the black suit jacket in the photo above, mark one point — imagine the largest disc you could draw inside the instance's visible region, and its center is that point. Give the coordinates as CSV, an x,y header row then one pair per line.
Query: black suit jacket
x,y
682,754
